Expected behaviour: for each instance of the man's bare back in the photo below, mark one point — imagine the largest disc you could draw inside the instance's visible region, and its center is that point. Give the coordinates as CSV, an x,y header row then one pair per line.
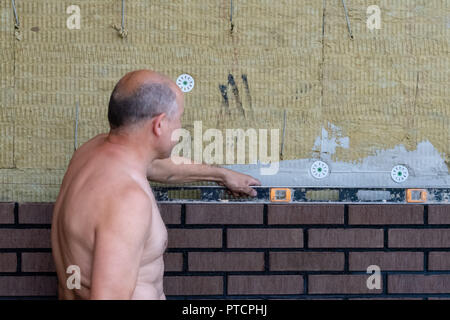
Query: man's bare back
x,y
97,177
106,220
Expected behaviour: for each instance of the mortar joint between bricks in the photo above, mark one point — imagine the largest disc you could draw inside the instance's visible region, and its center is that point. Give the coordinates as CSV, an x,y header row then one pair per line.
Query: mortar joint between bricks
x,y
346,262
345,215
225,284
16,213
265,214
185,261
425,260
224,238
266,260
183,214
305,238
19,262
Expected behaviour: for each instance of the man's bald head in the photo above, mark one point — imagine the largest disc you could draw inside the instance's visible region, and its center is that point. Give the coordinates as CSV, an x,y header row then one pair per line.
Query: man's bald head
x,y
140,95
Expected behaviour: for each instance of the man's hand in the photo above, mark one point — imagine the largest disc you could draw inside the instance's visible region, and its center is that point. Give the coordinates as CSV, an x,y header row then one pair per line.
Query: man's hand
x,y
239,183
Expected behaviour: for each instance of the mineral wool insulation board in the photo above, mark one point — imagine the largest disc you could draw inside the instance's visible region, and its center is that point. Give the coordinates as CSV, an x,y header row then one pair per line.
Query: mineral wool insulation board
x,y
361,105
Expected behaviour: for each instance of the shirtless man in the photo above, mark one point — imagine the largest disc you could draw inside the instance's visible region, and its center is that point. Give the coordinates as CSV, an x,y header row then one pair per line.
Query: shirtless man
x,y
106,220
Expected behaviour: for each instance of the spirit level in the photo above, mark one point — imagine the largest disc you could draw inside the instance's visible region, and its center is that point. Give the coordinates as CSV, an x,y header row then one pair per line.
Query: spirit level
x,y
304,195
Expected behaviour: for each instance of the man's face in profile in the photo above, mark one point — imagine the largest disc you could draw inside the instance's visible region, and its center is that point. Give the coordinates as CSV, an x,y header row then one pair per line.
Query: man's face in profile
x,y
173,124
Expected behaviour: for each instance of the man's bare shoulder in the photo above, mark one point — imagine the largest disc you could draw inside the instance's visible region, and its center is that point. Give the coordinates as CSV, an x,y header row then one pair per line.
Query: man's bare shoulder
x,y
128,203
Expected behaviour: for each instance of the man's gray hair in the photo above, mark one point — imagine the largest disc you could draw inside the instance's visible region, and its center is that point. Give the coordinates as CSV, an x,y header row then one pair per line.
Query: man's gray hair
x,y
149,100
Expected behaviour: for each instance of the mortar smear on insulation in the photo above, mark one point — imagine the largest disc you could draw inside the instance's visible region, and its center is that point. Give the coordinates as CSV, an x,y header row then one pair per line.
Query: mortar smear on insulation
x,y
426,168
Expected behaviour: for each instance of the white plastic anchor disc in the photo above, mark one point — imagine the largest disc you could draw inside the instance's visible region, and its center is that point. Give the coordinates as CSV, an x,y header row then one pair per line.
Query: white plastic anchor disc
x,y
185,82
319,169
399,173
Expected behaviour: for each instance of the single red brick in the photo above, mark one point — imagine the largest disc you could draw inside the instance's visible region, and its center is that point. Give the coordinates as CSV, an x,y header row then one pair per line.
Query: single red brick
x,y
385,214
313,261
345,238
439,214
36,212
173,261
8,261
170,212
224,213
194,238
28,286
226,261
338,284
305,214
439,260
265,238
193,285
418,238
25,238
417,283
6,212
400,260
38,262
262,284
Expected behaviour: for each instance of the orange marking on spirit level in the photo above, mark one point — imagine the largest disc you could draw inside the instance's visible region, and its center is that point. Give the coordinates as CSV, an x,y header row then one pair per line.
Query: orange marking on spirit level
x,y
280,194
423,195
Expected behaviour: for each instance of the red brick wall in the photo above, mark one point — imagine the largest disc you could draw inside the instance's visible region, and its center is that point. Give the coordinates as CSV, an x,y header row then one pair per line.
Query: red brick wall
x,y
313,251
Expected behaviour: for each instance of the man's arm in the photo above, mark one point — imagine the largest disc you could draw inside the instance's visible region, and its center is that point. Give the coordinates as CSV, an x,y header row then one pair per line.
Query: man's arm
x,y
119,243
181,170
173,170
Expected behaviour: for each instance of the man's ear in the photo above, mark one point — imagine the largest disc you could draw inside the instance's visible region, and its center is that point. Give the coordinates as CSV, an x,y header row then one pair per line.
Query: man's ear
x,y
158,123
